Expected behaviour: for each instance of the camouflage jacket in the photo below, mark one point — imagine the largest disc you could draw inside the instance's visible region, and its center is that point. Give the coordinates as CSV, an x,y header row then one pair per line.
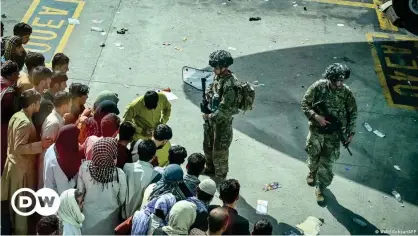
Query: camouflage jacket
x,y
339,103
224,86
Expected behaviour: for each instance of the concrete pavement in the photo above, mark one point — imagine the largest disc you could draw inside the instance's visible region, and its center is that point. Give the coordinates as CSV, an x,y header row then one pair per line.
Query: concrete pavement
x,y
287,51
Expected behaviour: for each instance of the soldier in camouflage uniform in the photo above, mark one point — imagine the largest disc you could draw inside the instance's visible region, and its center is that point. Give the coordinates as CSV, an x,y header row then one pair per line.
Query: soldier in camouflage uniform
x,y
329,96
217,129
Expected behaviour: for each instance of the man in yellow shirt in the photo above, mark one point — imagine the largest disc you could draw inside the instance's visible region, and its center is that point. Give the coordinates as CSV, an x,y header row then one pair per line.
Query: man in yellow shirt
x,y
146,113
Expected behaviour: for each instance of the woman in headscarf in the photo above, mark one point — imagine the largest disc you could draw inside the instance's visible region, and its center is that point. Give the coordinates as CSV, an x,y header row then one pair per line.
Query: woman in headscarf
x,y
171,182
91,126
181,217
104,186
106,95
62,160
14,51
70,211
153,216
109,127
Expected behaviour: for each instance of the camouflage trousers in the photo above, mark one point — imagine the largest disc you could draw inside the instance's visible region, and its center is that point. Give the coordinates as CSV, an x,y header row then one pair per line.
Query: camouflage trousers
x,y
216,141
323,151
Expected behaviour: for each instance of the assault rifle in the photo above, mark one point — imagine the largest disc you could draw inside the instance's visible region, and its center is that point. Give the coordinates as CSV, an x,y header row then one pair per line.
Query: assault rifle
x,y
204,104
334,126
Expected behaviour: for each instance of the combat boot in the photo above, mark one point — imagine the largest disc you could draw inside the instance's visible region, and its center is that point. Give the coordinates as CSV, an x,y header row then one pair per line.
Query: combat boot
x,y
319,196
219,179
310,179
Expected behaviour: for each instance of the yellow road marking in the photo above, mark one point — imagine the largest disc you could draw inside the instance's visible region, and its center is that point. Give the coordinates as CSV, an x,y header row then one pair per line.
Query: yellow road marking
x,y
346,3
379,70
63,42
70,28
384,22
30,11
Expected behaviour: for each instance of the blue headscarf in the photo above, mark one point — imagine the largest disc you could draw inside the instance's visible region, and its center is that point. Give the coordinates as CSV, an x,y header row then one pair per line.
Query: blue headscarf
x,y
169,183
201,206
140,221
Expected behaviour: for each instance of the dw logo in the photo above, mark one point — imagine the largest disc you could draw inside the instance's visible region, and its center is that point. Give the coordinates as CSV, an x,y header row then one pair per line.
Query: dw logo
x,y
47,202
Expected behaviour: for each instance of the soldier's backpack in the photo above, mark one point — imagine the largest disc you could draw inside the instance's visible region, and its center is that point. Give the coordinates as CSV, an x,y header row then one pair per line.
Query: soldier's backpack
x,y
245,96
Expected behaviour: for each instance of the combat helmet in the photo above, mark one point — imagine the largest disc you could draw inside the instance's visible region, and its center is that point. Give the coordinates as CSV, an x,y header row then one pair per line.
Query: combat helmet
x,y
220,58
337,71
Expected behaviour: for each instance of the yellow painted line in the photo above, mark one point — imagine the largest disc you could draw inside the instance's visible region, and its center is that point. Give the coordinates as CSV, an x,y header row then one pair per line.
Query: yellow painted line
x,y
379,70
30,11
70,28
64,40
384,22
346,3
390,35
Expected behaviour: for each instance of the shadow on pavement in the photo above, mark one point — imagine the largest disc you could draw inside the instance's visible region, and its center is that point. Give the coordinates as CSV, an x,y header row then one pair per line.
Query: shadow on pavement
x,y
277,120
247,211
345,217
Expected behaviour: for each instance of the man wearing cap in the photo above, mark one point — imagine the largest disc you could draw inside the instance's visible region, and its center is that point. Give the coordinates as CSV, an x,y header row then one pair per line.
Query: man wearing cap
x,y
205,192
327,99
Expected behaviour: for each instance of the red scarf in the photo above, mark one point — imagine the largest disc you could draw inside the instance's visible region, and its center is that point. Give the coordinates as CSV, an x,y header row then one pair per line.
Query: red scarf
x,y
67,150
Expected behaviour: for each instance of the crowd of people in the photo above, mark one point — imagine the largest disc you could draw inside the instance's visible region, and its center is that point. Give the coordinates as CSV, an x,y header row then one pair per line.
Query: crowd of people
x,y
113,175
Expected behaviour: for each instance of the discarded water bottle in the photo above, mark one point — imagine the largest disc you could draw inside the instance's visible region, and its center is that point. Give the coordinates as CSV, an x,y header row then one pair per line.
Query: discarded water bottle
x,y
367,126
397,196
97,29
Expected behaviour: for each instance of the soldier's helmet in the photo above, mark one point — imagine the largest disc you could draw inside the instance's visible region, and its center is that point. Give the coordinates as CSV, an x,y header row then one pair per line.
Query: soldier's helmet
x,y
337,71
220,58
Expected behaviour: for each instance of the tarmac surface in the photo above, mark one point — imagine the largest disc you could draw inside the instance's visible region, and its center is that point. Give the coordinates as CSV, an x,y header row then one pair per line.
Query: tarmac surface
x,y
287,50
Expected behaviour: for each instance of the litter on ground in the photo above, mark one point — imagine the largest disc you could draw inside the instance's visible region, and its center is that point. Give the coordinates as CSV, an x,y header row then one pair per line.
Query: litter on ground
x,y
170,96
122,31
255,18
72,21
398,197
261,207
367,126
397,167
97,29
271,186
311,226
97,21
378,133
256,84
